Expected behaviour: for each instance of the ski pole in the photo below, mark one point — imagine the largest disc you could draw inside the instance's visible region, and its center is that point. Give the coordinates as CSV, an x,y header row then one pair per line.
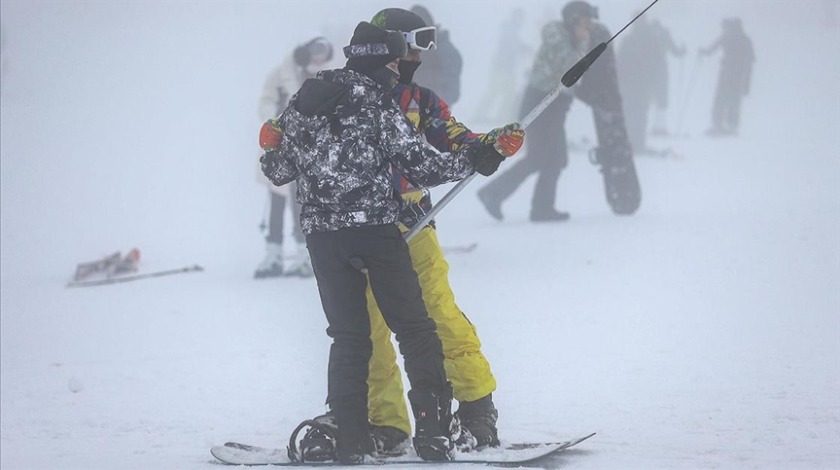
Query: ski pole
x,y
687,99
538,109
569,78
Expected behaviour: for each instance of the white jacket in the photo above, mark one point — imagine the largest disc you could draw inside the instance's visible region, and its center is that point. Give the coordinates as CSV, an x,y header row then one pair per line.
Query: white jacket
x,y
281,84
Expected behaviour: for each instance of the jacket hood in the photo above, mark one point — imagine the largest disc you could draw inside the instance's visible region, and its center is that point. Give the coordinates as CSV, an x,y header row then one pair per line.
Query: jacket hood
x,y
321,95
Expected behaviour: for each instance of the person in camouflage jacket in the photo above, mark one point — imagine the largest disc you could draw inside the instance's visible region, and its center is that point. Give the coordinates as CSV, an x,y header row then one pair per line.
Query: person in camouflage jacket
x,y
466,366
564,42
342,136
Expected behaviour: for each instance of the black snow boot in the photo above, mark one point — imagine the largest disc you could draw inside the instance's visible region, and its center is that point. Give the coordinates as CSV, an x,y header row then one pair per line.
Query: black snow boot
x,y
479,419
354,441
432,423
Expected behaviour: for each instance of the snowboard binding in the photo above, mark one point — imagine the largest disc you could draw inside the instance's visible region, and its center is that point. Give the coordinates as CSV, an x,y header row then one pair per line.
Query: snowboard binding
x,y
318,443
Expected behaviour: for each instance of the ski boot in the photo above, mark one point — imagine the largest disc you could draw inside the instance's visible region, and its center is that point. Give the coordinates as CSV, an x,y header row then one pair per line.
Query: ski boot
x,y
272,265
478,420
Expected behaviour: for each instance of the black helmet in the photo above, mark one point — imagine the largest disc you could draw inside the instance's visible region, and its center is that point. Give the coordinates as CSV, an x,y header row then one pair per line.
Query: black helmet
x,y
397,19
419,34
574,11
424,13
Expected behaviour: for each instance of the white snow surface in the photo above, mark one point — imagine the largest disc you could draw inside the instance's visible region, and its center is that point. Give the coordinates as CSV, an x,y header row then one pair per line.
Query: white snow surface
x,y
701,332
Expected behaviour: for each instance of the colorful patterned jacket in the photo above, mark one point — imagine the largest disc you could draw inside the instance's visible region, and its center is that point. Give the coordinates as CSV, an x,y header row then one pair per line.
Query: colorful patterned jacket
x,y
430,115
343,137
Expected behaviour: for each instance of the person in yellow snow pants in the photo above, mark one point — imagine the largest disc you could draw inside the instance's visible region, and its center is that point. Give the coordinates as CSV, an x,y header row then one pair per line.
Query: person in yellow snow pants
x,y
466,367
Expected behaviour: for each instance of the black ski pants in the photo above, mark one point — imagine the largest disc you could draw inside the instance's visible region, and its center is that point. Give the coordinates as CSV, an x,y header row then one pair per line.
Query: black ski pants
x,y
336,259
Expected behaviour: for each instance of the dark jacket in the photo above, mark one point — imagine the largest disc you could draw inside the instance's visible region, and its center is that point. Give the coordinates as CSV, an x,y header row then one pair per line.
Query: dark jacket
x,y
342,134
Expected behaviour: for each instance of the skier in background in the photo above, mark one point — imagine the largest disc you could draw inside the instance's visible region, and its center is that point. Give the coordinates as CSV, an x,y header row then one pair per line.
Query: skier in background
x,y
442,66
642,60
345,136
564,42
734,77
306,60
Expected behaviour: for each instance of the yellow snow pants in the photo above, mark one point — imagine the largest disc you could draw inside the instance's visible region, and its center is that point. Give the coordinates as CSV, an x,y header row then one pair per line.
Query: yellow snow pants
x,y
466,367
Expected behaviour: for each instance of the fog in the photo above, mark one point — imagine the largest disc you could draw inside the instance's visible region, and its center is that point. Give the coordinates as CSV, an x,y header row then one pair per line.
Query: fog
x,y
113,110
707,325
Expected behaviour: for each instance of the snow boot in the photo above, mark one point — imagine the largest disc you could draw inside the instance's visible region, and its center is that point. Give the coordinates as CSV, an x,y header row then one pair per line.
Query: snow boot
x,y
389,441
433,422
478,419
272,265
354,440
301,266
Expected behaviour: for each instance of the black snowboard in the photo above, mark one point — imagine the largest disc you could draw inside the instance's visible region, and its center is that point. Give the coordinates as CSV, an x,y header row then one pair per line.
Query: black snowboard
x,y
614,155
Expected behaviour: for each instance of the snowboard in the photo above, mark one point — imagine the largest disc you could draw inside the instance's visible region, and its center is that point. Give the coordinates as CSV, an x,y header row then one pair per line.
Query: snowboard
x,y
510,455
621,183
600,90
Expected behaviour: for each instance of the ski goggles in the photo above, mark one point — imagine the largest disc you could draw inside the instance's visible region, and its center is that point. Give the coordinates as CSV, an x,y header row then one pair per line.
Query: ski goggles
x,y
421,39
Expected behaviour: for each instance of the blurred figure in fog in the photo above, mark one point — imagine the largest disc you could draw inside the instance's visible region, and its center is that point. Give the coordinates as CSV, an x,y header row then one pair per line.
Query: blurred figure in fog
x,y
734,77
306,60
564,42
500,96
441,66
643,70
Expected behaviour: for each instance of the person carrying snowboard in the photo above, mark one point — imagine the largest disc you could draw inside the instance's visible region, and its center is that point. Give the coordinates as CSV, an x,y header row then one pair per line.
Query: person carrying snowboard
x,y
563,44
342,135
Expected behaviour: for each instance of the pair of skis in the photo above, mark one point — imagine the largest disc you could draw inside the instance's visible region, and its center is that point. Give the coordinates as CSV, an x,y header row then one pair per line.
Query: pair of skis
x,y
116,268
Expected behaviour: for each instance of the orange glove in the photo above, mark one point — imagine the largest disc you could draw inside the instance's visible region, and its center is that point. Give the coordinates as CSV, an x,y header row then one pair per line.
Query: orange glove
x,y
271,134
506,140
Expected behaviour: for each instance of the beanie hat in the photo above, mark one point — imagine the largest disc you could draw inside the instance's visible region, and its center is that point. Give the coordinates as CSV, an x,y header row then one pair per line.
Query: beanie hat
x,y
372,48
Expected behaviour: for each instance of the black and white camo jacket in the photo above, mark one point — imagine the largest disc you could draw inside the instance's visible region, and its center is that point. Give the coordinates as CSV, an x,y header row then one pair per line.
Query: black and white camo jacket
x,y
342,134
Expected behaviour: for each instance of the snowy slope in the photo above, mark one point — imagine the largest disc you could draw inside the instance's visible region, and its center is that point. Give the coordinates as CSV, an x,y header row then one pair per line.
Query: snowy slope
x,y
702,332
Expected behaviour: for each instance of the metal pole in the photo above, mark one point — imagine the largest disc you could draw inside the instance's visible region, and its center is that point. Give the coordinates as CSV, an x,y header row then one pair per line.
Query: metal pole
x,y
568,79
538,109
